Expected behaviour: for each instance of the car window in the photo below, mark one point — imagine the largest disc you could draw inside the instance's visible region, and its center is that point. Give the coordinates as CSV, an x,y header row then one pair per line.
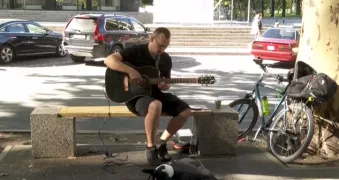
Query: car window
x,y
82,24
15,28
111,24
125,24
280,34
288,34
35,29
137,26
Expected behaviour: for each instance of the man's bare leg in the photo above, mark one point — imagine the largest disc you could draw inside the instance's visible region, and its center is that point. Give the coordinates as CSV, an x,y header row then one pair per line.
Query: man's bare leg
x,y
175,124
152,122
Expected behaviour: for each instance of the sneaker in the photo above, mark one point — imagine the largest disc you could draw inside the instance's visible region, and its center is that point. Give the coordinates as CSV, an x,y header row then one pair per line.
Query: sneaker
x,y
163,153
152,156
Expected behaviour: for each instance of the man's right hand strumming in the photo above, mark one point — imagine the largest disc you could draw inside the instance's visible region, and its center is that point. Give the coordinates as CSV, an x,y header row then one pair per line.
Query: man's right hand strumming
x,y
134,75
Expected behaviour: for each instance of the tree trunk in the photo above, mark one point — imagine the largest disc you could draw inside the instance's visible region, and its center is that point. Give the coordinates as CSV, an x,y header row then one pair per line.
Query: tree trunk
x,y
319,47
298,7
263,8
283,8
272,7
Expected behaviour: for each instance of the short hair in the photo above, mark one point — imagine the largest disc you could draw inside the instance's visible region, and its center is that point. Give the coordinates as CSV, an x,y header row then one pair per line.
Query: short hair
x,y
162,30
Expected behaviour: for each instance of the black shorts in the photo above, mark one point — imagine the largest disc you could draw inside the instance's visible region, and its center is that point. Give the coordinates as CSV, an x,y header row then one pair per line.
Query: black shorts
x,y
171,104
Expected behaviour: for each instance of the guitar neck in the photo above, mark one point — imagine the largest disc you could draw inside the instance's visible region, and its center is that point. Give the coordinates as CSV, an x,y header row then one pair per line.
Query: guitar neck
x,y
172,80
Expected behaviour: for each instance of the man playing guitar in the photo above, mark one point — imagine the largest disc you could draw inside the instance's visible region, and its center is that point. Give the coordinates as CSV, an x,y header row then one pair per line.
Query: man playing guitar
x,y
151,107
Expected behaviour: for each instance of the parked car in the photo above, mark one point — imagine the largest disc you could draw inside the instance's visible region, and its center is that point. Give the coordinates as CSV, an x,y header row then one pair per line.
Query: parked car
x,y
277,44
98,35
27,38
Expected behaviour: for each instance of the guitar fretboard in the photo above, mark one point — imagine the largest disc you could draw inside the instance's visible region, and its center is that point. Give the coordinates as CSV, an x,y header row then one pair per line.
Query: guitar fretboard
x,y
172,80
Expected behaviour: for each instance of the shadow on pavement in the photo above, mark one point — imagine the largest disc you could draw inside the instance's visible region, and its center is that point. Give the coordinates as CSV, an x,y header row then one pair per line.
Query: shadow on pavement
x,y
73,90
87,90
249,163
40,61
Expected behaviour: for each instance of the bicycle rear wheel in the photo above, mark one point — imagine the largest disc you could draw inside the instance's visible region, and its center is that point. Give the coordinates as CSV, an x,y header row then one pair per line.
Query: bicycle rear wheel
x,y
248,104
283,141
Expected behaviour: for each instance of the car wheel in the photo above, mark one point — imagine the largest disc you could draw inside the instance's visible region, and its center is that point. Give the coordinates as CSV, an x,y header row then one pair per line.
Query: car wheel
x,y
60,51
77,59
116,48
7,54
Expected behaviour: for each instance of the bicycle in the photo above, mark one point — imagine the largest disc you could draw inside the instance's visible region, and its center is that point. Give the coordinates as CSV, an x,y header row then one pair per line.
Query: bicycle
x,y
285,134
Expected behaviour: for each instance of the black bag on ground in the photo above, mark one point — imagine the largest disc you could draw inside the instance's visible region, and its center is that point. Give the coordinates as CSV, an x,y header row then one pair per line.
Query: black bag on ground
x,y
183,169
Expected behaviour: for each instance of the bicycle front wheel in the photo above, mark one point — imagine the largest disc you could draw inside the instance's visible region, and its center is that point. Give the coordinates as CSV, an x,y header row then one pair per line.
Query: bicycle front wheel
x,y
248,115
291,132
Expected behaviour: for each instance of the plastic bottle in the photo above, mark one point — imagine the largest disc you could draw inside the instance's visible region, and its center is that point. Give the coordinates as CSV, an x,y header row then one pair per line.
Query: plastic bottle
x,y
266,106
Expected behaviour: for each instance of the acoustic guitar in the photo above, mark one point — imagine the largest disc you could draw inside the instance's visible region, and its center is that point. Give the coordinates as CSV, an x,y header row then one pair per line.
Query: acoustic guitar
x,y
119,88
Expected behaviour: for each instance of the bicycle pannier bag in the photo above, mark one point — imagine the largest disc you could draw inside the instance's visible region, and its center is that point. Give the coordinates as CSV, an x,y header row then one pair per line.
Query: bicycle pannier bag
x,y
319,86
322,87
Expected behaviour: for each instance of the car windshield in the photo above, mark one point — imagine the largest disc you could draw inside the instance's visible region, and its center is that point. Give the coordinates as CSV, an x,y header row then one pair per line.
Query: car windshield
x,y
280,34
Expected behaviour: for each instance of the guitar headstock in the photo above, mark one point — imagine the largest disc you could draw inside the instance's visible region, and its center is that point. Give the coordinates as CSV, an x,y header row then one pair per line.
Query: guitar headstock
x,y
206,80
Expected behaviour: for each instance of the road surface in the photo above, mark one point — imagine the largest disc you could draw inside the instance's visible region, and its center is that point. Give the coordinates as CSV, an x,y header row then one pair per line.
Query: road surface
x,y
51,81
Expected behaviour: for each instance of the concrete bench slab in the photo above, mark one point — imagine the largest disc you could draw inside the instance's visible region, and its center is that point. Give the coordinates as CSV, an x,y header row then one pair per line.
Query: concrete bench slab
x,y
53,129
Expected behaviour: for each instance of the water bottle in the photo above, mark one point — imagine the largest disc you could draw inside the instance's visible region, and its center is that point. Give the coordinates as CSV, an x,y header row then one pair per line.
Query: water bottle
x,y
266,106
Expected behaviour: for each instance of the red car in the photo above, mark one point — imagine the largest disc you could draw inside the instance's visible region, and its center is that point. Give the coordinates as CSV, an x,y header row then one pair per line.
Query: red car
x,y
276,44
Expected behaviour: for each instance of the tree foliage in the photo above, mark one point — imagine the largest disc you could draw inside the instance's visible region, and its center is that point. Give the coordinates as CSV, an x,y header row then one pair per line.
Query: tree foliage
x,y
147,2
280,7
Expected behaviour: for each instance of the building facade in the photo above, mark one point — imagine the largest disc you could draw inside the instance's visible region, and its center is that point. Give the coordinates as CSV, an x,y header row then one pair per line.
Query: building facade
x,y
72,5
186,11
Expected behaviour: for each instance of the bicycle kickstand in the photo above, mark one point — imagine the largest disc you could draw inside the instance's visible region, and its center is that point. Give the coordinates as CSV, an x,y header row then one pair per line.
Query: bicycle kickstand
x,y
257,133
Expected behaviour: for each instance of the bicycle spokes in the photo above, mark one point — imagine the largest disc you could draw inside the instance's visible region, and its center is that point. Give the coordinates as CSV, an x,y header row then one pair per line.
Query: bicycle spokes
x,y
291,131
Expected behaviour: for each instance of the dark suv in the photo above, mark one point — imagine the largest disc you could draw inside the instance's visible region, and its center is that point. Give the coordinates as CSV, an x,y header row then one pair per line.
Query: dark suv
x,y
98,35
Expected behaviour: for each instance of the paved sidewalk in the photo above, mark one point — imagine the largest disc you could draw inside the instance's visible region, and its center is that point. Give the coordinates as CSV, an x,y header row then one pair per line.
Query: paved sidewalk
x,y
250,163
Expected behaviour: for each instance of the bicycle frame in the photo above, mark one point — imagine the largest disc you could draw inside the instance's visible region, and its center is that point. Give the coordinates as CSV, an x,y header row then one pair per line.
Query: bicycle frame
x,y
255,96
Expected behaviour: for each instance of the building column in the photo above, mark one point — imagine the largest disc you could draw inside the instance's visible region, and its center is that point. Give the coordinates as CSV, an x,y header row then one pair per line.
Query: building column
x,y
11,4
89,4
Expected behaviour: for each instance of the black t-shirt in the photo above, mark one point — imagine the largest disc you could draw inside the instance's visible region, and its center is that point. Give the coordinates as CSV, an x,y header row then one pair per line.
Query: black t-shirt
x,y
140,56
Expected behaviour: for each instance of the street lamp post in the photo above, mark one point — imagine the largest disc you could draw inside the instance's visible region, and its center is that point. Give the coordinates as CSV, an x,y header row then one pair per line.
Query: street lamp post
x,y
248,11
232,12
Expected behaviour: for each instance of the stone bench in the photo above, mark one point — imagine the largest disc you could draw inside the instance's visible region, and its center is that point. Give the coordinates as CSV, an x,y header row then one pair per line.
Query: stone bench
x,y
53,129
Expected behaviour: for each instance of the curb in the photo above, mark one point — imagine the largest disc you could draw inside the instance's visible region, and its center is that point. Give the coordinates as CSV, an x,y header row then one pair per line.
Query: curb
x,y
5,151
117,132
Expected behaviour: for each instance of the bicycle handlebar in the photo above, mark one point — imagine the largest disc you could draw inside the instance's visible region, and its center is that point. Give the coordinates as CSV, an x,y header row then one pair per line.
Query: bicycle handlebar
x,y
269,75
278,77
